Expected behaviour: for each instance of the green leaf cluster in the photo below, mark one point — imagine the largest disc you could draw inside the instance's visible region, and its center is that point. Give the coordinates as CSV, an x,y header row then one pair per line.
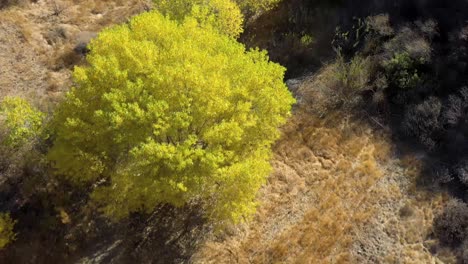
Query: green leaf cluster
x,y
169,112
402,71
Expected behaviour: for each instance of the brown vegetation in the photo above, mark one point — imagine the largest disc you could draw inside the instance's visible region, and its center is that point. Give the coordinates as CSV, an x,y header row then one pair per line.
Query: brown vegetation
x,y
337,195
38,40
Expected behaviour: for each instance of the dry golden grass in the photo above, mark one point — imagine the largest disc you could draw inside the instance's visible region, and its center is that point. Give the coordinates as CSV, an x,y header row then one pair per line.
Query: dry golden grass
x,y
328,172
335,196
37,41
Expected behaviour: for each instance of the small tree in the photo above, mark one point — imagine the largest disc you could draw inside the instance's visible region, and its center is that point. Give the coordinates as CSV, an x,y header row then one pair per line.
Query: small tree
x,y
20,122
169,112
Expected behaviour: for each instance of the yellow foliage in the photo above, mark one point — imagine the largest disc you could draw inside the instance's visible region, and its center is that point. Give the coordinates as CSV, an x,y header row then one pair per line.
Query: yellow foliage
x,y
223,15
170,112
256,6
6,230
20,121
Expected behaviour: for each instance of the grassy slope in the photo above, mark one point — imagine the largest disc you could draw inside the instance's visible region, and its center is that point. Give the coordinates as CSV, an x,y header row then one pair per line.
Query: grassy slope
x,y
337,195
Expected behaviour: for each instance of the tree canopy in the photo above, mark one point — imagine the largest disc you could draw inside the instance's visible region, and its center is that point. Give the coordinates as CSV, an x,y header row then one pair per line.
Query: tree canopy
x,y
223,15
255,6
169,112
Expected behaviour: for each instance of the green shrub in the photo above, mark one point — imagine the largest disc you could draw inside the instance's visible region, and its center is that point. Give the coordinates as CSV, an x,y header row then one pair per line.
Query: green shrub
x,y
350,80
402,71
169,113
353,75
307,40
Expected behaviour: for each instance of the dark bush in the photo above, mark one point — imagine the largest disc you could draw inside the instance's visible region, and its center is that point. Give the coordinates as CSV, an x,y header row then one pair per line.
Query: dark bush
x,y
451,225
442,174
461,171
402,71
455,108
464,252
82,41
421,121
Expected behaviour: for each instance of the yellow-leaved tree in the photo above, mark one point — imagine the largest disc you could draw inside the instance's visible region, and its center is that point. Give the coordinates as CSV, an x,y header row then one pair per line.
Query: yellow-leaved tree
x,y
170,113
223,15
6,229
256,6
19,122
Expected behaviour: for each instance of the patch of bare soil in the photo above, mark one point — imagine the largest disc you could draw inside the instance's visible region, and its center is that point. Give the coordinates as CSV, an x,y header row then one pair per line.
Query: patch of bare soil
x,y
37,42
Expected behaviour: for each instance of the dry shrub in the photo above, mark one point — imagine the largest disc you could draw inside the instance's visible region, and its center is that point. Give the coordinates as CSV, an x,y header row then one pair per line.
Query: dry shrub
x,y
338,85
381,24
317,100
55,36
65,58
411,41
421,121
352,77
451,226
13,162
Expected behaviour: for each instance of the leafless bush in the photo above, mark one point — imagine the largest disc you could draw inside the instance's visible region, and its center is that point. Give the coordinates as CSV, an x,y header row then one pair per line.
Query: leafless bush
x,y
456,107
422,120
410,41
55,36
442,174
428,28
381,24
462,171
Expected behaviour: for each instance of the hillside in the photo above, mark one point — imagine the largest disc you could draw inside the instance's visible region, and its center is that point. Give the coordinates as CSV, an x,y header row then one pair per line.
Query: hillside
x,y
338,194
370,166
